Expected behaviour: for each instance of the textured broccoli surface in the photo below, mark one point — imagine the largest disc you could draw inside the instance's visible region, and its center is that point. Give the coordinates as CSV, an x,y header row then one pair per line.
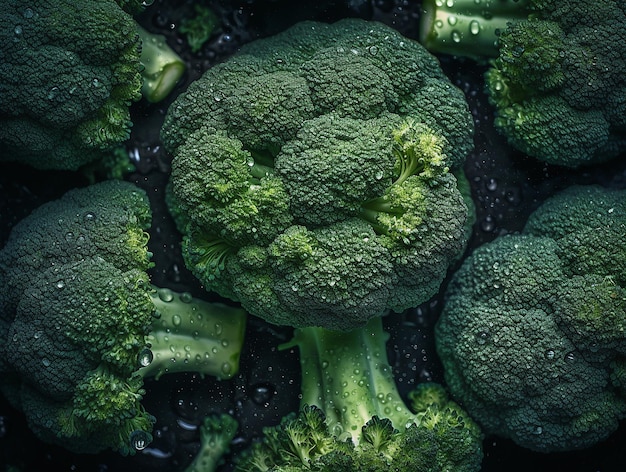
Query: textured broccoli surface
x,y
557,81
81,326
69,73
312,174
352,416
532,332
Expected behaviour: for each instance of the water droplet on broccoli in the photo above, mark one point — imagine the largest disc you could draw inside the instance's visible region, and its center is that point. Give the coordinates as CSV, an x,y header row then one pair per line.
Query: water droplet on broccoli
x,y
145,357
165,295
139,440
474,27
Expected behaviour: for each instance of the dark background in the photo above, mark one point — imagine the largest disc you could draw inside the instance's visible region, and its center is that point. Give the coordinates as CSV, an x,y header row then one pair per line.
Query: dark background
x,y
506,187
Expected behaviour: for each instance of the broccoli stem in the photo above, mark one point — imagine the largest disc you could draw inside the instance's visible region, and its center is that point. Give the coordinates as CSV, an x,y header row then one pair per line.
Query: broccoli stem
x,y
371,211
468,28
348,376
262,165
162,67
214,253
192,335
216,434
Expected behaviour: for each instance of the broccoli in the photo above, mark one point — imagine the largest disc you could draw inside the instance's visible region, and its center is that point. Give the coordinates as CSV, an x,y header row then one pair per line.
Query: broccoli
x,y
81,325
312,174
216,434
199,26
69,73
558,79
353,418
531,336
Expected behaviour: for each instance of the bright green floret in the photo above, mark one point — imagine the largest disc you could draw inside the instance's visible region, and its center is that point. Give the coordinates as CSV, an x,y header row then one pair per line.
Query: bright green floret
x,y
312,174
558,77
70,71
81,326
353,418
532,332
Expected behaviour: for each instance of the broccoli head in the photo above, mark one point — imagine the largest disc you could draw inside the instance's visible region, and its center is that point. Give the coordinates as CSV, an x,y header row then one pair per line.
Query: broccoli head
x,y
558,78
69,73
352,416
313,178
81,325
532,332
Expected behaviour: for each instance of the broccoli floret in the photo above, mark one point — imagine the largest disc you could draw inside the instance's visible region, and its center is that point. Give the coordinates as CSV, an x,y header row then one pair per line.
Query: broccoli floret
x,y
352,416
532,332
69,73
199,26
81,326
216,434
557,78
312,174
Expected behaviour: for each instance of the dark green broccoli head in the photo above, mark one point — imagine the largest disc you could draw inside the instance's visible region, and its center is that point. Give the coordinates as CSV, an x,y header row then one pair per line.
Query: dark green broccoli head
x,y
311,174
81,326
69,72
556,79
76,310
533,326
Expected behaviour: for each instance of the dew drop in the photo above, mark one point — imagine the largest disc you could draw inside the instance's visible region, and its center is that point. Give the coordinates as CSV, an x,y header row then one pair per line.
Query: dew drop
x,y
145,357
165,295
262,394
474,27
139,440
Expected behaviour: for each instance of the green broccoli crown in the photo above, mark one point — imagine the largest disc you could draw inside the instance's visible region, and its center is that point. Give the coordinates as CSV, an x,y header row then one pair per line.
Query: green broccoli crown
x,y
557,80
353,418
69,72
531,335
81,326
314,180
76,312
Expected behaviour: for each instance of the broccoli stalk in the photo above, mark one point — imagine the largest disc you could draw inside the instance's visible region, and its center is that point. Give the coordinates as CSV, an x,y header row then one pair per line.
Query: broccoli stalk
x,y
330,358
468,28
193,335
352,416
216,434
162,68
